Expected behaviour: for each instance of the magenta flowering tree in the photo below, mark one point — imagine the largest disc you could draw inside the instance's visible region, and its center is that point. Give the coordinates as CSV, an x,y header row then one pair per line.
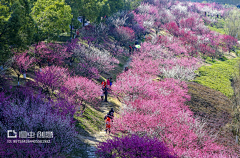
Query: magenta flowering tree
x,y
173,28
134,146
146,15
70,92
81,90
51,78
188,23
21,62
51,53
171,62
153,108
71,46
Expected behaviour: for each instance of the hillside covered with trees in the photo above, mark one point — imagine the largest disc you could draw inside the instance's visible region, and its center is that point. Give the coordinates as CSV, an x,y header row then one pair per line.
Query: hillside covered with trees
x,y
178,98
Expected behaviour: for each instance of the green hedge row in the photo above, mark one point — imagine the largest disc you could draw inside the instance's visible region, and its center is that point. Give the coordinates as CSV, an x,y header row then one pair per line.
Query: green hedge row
x,y
219,75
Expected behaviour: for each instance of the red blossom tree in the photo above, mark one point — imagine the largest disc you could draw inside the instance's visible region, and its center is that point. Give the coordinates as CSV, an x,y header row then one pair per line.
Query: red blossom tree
x,y
228,42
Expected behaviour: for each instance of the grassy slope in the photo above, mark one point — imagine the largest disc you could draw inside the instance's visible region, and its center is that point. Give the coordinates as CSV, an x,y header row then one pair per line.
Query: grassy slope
x,y
211,94
218,76
216,110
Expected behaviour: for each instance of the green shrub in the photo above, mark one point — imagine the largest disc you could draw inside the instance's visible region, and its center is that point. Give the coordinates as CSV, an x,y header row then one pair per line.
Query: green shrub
x,y
218,76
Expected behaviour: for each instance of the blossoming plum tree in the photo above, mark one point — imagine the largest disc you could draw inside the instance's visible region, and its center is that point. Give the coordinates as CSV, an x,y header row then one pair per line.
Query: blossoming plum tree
x,y
21,62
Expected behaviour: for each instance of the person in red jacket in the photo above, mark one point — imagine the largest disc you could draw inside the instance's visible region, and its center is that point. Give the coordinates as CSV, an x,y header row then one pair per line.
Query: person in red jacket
x,y
103,84
108,124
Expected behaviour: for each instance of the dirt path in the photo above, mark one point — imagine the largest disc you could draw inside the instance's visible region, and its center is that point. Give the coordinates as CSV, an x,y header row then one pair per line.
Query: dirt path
x,y
101,136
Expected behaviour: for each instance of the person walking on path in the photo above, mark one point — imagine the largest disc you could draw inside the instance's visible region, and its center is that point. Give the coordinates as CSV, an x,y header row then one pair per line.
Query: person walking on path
x,y
108,83
126,69
106,93
108,124
104,84
111,113
130,49
102,94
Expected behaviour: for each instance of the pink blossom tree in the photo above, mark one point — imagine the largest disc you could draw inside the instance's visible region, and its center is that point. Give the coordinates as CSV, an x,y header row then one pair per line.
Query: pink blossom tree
x,y
81,90
21,62
51,78
125,34
153,108
50,53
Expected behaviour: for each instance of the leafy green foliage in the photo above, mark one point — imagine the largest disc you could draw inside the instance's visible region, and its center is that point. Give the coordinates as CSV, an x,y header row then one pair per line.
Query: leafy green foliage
x,y
232,23
16,26
52,17
219,76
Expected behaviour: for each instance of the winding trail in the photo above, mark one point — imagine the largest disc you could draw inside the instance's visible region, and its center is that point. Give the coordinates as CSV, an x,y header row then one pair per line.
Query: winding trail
x,y
101,136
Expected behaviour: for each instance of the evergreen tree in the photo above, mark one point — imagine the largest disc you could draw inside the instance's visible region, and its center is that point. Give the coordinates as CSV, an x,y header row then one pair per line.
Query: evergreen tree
x,y
53,17
16,26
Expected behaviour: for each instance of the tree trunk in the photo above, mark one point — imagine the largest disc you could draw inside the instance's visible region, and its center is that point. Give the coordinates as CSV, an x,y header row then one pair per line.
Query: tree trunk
x,y
40,66
83,20
24,74
18,78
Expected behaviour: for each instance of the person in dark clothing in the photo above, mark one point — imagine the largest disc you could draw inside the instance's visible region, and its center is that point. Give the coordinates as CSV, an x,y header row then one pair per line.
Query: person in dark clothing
x,y
106,93
102,93
111,112
130,49
110,81
126,69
